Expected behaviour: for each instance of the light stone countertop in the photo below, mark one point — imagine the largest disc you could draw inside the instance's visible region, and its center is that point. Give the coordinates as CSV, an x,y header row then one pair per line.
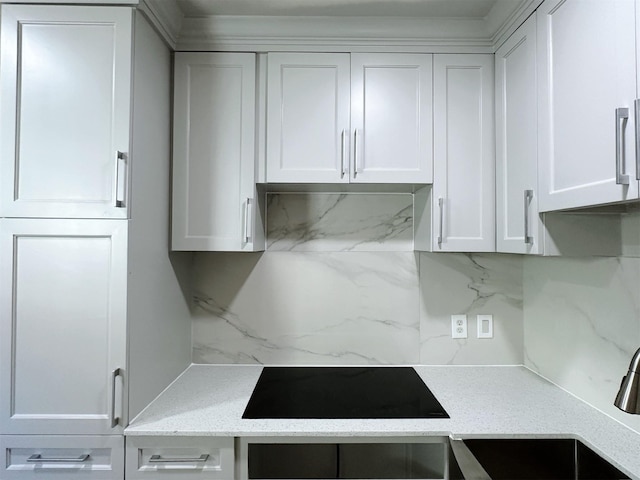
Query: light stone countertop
x,y
506,402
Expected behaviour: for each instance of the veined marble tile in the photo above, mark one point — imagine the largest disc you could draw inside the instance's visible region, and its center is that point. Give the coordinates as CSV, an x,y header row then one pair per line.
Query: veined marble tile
x,y
339,222
471,284
346,308
582,325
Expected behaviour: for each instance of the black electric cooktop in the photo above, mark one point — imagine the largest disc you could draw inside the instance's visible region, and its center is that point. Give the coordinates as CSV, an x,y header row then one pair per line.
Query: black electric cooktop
x,y
342,392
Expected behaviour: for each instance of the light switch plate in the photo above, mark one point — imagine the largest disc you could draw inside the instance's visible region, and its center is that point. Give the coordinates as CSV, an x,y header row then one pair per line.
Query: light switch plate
x,y
458,326
485,326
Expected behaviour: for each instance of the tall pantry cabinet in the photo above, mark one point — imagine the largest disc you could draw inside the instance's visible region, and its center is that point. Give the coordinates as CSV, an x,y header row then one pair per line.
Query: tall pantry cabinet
x,y
93,322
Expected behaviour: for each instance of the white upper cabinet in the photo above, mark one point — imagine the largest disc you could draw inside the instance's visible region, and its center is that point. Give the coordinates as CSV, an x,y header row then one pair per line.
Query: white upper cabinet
x,y
214,158
340,118
391,118
463,198
518,225
65,85
586,92
308,118
63,334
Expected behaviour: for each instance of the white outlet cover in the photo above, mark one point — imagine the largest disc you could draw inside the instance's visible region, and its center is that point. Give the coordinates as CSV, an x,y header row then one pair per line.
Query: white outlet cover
x,y
458,326
485,326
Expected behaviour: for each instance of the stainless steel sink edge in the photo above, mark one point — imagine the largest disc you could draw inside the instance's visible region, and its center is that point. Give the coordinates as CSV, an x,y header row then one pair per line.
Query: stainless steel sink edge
x,y
468,467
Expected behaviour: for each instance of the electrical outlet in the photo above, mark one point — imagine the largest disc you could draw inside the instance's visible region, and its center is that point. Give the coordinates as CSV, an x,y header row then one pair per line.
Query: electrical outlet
x,y
458,326
485,326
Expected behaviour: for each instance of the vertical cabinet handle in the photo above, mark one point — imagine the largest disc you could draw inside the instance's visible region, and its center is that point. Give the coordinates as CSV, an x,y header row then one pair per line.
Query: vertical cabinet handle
x,y
528,196
344,163
119,201
441,221
622,114
637,111
38,458
114,375
247,221
355,153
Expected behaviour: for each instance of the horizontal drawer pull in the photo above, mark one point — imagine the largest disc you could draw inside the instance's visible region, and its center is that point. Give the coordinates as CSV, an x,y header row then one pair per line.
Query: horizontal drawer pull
x,y
159,459
37,458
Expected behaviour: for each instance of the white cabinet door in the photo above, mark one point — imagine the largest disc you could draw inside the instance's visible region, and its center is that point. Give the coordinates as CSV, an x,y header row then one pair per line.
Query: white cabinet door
x,y
463,207
65,81
214,168
62,457
586,71
518,225
63,326
308,118
391,118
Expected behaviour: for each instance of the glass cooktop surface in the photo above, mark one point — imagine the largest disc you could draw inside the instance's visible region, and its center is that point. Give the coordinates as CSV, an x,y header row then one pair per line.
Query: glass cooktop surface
x,y
342,392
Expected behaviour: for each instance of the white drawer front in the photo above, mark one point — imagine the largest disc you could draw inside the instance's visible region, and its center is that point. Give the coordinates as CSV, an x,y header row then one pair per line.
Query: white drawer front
x,y
61,457
180,458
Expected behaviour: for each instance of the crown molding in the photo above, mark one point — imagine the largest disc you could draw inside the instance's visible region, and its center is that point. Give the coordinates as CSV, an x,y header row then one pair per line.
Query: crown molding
x,y
166,17
504,28
335,34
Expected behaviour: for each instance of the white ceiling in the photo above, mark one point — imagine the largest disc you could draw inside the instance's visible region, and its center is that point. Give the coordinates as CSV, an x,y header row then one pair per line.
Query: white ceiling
x,y
374,8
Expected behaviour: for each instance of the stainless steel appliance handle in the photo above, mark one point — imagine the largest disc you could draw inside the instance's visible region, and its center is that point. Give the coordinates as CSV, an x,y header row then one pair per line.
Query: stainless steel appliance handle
x,y
637,111
119,203
355,153
247,223
528,196
158,459
38,458
622,115
441,231
114,375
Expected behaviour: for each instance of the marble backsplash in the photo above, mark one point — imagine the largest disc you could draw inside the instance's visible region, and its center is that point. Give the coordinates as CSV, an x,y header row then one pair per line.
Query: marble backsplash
x,y
340,284
582,325
340,222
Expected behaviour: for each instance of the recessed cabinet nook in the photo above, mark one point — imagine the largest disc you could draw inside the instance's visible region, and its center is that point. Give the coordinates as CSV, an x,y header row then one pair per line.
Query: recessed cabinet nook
x,y
122,121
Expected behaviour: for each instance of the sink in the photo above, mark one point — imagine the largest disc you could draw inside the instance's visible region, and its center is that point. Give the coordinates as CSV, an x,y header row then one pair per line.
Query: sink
x,y
528,459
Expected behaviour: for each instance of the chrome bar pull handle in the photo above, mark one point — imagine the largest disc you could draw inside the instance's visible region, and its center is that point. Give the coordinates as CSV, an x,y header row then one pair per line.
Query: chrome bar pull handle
x,y
622,115
637,111
247,221
441,208
38,458
344,163
114,375
119,202
528,196
355,153
159,459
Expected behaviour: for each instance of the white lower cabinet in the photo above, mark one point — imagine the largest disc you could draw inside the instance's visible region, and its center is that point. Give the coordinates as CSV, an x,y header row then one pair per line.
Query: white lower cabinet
x,y
63,303
28,457
178,458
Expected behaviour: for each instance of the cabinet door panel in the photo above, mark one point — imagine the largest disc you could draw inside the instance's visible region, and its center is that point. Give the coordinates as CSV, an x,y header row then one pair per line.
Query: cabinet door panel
x,y
391,108
65,113
464,165
586,59
214,150
63,308
516,146
307,118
